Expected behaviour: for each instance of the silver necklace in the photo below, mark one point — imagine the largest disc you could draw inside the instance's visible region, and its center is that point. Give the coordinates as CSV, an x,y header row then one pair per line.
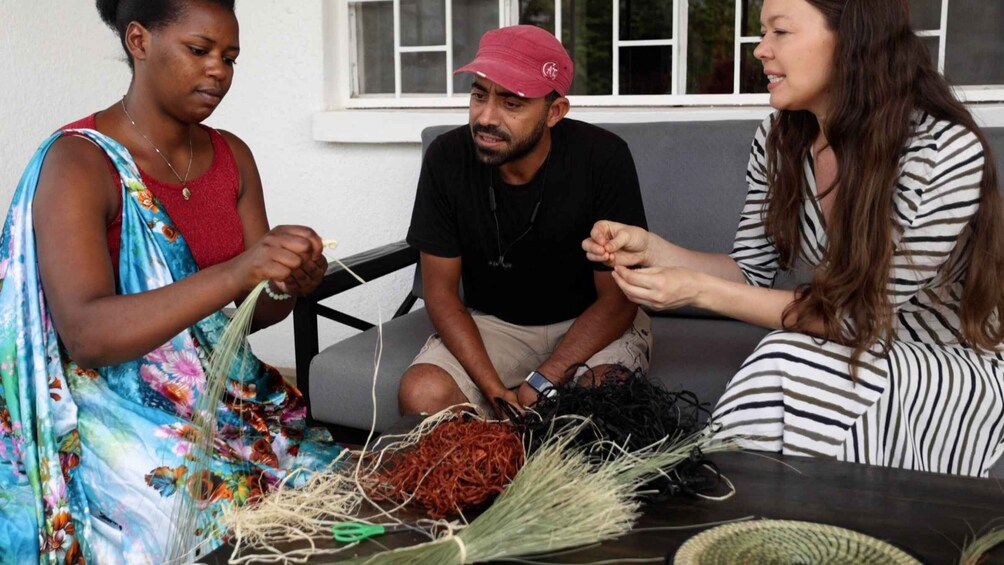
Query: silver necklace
x,y
185,192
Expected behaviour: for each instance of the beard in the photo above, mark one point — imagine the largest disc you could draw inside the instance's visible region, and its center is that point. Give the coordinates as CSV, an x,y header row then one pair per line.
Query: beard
x,y
516,148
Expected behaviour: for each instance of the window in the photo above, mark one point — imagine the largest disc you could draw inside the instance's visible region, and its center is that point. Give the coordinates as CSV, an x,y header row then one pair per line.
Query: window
x,y
401,53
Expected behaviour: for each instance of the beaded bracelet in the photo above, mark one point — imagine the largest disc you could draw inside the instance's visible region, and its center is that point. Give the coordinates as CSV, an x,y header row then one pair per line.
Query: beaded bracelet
x,y
273,294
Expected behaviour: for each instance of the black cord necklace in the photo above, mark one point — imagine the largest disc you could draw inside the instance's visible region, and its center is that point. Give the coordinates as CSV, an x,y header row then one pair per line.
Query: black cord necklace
x,y
501,262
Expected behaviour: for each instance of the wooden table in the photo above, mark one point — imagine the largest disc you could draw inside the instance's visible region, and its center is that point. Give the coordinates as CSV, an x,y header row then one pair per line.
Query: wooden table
x,y
922,513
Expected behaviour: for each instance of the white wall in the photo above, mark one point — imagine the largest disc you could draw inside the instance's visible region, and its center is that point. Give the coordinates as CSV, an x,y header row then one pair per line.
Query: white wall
x,y
58,62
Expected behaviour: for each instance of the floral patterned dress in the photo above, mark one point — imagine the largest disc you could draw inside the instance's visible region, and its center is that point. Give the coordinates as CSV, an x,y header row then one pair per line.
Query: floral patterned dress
x,y
92,461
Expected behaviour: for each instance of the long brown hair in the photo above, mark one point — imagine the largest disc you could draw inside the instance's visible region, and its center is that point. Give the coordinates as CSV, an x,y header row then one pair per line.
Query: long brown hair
x,y
882,73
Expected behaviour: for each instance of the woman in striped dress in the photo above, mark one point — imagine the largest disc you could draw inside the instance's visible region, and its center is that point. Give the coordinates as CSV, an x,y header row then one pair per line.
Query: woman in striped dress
x,y
872,173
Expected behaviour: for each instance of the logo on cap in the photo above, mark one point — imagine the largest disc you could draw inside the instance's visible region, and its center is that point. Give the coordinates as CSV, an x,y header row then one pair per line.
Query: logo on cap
x,y
550,70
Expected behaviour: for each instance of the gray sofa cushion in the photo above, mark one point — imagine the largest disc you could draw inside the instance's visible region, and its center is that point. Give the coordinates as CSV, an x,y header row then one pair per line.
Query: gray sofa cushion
x,y
700,355
692,177
341,376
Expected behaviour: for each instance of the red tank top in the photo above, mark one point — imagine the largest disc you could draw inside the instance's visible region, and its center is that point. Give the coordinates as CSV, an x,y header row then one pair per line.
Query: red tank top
x,y
208,221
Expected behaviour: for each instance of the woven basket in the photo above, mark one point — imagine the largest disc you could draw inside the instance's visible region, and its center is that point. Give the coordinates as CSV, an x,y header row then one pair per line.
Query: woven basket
x,y
787,542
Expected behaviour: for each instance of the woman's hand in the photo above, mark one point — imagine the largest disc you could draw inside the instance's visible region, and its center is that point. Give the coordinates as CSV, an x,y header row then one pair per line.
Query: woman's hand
x,y
660,288
305,279
615,244
290,256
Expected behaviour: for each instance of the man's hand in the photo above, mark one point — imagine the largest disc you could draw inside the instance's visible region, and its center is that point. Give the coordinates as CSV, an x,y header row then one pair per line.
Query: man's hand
x,y
527,396
506,395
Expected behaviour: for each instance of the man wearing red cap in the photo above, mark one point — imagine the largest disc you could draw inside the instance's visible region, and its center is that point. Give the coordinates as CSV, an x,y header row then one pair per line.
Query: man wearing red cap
x,y
503,205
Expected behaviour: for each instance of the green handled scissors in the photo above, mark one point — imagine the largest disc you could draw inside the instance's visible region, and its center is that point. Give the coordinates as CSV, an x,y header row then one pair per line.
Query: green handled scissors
x,y
349,532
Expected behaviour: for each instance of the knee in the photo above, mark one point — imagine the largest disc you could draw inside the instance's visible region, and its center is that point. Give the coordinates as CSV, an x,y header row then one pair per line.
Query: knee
x,y
427,388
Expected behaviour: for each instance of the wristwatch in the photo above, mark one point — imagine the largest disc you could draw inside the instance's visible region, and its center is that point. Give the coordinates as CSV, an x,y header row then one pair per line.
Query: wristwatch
x,y
541,384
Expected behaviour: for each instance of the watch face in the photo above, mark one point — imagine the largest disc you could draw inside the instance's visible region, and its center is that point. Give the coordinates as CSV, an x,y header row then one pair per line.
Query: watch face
x,y
541,384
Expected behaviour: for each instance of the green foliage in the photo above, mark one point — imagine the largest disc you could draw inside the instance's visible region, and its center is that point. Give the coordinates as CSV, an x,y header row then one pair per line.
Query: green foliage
x,y
710,37
646,19
586,34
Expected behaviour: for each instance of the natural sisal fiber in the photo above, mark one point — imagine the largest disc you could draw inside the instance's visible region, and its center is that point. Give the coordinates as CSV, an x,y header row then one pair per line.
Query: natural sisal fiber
x,y
458,466
230,356
975,551
563,497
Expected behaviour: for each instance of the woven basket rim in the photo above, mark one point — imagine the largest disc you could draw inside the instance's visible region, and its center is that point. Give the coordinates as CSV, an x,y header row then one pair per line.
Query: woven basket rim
x,y
692,551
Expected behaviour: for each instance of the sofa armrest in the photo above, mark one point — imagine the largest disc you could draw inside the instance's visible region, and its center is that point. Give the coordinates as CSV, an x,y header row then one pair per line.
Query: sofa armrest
x,y
369,265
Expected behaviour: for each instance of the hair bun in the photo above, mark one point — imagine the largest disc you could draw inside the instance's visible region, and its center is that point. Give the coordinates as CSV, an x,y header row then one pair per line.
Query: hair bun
x,y
108,9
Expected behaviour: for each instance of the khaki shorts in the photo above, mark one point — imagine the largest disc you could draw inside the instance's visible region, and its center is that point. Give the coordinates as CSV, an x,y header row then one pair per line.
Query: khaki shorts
x,y
516,350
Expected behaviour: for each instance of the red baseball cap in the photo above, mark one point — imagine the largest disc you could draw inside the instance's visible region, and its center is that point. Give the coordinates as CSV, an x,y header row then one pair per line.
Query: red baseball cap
x,y
524,59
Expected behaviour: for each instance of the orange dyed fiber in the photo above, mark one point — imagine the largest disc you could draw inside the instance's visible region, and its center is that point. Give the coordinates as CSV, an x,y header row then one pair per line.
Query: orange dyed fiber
x,y
458,465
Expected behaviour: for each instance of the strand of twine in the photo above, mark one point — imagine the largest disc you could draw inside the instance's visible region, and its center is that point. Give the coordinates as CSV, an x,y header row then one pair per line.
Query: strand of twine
x,y
333,243
463,549
460,464
368,463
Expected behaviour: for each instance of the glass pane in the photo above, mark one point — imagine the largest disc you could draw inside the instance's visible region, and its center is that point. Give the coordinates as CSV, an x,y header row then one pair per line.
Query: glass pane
x,y
751,17
710,46
925,14
585,32
646,19
537,12
646,70
374,64
423,22
423,73
974,53
471,19
751,77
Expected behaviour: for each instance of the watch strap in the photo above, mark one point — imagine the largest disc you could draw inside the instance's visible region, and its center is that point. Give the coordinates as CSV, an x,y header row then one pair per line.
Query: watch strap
x,y
541,384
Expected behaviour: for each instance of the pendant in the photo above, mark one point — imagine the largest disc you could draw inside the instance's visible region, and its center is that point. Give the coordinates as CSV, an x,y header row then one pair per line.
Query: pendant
x,y
185,193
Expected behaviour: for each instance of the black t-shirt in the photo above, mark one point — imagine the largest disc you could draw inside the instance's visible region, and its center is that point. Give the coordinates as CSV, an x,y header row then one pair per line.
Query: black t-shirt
x,y
589,176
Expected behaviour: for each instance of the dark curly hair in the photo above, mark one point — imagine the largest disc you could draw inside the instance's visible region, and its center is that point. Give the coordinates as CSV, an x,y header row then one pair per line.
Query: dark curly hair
x,y
152,14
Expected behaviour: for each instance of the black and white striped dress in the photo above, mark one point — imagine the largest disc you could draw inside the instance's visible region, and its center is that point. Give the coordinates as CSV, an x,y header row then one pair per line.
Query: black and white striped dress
x,y
929,403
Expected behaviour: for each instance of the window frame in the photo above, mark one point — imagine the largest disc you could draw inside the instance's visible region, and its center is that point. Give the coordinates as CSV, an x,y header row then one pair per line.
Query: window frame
x,y
340,48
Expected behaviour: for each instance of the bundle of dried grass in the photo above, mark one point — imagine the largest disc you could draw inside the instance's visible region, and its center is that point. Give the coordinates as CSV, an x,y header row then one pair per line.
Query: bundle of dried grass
x,y
230,356
975,551
562,498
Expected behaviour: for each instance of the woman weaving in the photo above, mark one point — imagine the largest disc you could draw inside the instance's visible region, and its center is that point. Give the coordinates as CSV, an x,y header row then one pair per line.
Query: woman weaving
x,y
128,233
876,176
